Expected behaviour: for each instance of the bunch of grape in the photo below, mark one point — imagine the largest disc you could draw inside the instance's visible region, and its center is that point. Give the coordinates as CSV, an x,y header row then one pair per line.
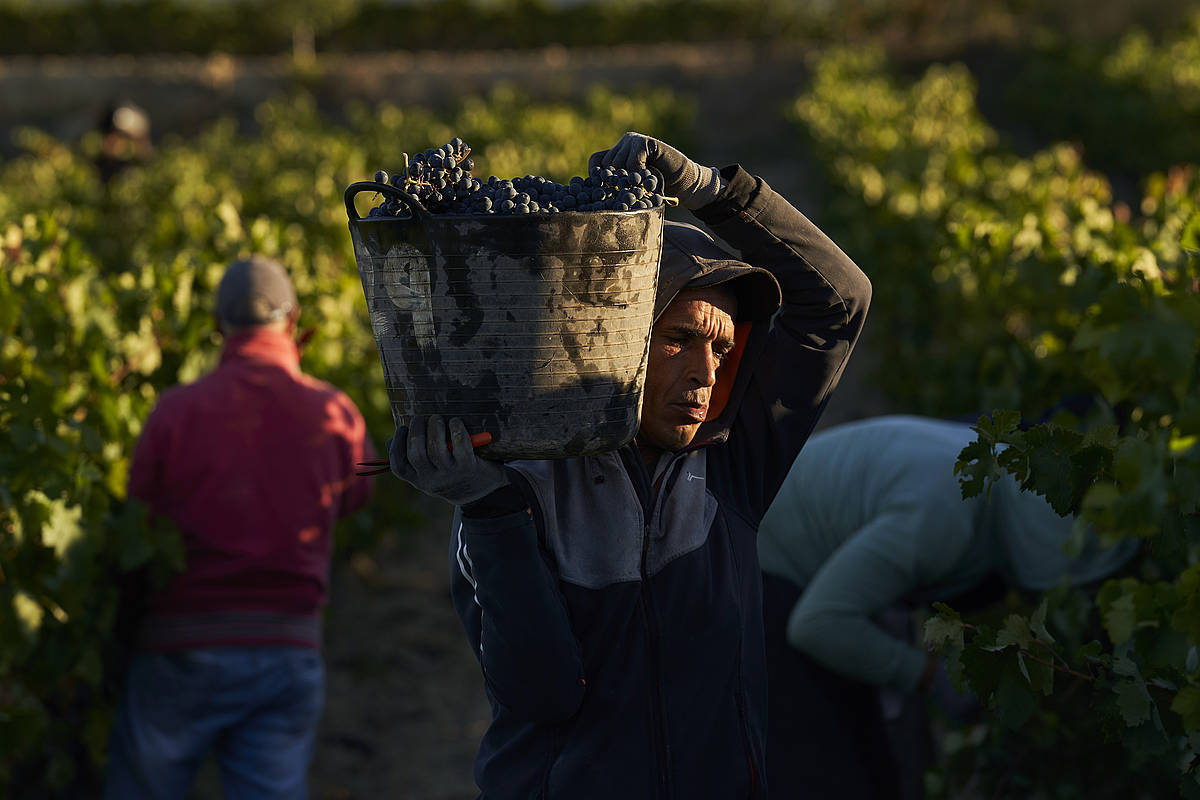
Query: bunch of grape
x,y
440,178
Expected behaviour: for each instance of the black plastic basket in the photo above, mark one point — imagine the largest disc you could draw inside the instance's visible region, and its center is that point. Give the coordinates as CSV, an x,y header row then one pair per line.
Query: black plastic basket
x,y
533,328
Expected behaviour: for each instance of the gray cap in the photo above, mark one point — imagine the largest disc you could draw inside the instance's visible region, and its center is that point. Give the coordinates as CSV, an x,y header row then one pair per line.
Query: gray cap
x,y
691,259
255,291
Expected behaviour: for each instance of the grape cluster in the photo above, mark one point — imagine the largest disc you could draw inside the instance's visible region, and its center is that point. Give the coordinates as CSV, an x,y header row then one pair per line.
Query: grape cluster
x,y
440,178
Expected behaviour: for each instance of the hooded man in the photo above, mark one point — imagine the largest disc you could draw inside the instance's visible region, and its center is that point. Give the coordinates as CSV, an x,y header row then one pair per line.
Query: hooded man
x,y
614,600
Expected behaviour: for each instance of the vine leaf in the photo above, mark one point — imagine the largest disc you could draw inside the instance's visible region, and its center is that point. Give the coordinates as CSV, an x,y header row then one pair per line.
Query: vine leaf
x,y
946,629
1038,623
1016,631
1014,701
1186,618
1133,701
1187,705
978,464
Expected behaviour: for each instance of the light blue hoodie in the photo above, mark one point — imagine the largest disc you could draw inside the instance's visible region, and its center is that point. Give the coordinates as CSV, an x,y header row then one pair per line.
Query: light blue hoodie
x,y
871,513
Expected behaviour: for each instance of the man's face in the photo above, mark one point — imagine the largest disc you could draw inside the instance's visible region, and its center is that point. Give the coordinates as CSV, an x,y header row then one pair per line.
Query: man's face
x,y
686,347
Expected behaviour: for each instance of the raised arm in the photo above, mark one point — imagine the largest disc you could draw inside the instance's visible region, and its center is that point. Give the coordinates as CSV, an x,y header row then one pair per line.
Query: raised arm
x,y
825,300
783,386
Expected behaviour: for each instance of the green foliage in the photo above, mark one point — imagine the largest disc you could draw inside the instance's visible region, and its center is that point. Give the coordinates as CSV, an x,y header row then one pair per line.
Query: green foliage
x,y
105,302
68,538
1016,283
1110,97
251,27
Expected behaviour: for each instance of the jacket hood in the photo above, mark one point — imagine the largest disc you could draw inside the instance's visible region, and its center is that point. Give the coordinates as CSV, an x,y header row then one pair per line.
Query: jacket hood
x,y
691,259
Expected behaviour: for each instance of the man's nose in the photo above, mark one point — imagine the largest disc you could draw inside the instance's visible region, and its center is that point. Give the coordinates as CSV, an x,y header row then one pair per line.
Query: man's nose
x,y
704,367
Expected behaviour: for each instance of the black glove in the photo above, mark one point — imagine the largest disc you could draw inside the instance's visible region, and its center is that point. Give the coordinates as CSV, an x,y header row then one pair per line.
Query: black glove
x,y
419,454
693,184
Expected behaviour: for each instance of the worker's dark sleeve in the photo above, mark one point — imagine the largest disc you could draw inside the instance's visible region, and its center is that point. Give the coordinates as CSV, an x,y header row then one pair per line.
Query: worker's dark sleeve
x,y
793,366
507,596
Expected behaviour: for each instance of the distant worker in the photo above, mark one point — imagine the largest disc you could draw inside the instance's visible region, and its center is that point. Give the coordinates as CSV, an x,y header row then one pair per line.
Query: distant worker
x,y
254,462
125,130
871,517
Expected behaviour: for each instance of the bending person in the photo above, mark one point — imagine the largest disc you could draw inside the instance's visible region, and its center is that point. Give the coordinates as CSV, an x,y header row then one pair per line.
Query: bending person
x,y
870,516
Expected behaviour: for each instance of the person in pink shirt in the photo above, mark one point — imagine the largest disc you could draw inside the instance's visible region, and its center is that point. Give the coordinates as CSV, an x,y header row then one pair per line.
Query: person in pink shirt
x,y
254,462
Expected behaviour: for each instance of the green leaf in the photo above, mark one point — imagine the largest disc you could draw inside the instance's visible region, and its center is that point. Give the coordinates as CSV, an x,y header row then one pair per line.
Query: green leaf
x,y
1014,700
1016,631
998,426
1052,473
944,629
1133,701
1190,237
1186,618
62,530
1037,623
1089,652
981,664
1120,617
978,464
976,467
29,614
1187,705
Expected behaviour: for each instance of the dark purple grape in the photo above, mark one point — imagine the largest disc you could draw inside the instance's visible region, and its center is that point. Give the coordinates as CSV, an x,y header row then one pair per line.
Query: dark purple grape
x,y
441,179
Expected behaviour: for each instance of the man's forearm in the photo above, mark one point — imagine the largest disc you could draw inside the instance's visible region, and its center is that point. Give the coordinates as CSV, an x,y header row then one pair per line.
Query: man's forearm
x,y
820,282
528,651
825,299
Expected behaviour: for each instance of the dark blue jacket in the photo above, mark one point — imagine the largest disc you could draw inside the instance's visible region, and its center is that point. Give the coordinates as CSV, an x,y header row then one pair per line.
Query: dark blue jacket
x,y
620,628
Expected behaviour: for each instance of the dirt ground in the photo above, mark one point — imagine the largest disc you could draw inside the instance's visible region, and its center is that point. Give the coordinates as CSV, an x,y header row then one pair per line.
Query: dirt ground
x,y
405,706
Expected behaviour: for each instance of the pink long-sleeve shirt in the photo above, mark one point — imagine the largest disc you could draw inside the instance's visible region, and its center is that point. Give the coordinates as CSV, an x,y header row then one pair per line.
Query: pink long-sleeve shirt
x,y
254,462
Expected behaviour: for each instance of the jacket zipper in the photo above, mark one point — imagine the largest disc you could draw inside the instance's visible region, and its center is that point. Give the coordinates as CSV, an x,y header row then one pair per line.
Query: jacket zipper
x,y
746,737
648,494
743,716
657,714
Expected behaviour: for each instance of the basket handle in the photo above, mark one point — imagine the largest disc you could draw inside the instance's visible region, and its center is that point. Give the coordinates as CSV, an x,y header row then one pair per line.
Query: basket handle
x,y
353,190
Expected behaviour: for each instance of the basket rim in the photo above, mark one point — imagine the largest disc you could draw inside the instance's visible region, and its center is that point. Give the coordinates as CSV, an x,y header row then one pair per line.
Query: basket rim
x,y
537,215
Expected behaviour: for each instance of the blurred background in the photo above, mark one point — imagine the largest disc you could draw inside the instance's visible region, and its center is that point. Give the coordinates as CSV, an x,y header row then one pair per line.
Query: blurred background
x,y
1017,177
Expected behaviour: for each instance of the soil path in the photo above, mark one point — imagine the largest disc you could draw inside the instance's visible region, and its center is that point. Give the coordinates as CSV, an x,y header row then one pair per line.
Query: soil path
x,y
405,703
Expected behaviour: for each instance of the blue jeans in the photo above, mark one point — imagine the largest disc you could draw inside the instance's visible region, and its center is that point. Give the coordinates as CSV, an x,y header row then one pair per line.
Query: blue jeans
x,y
256,708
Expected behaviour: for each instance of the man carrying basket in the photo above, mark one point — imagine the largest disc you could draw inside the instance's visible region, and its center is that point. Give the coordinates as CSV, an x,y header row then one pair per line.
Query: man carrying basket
x,y
614,601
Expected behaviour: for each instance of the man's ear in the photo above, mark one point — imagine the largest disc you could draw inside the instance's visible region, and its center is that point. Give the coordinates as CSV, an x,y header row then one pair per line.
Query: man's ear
x,y
293,320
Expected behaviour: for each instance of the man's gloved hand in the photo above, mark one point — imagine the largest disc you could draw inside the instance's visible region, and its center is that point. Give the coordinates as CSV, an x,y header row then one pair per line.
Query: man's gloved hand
x,y
420,455
693,184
